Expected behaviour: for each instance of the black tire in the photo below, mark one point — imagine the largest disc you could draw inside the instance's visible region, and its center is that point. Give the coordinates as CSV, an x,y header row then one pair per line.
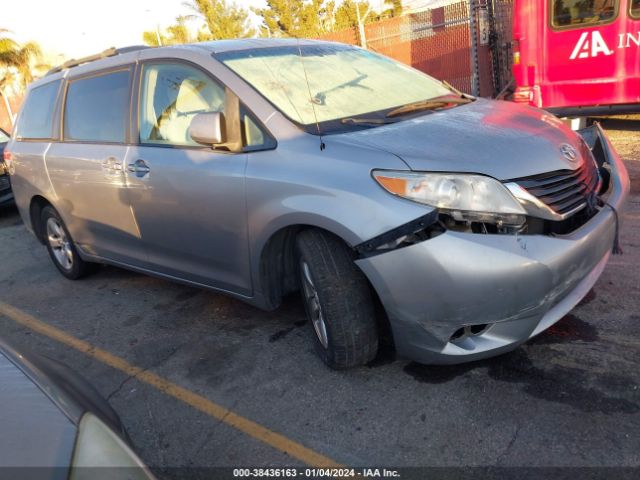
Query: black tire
x,y
344,297
77,267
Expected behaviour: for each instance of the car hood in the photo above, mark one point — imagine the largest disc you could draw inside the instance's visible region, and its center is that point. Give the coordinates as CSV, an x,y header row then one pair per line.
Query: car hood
x,y
500,139
64,387
35,432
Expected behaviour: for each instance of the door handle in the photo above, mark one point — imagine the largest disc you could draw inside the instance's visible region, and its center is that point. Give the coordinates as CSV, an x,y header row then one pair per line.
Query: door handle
x,y
139,167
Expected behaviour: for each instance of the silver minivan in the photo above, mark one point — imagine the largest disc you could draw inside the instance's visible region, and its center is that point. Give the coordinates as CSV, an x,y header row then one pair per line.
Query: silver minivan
x,y
398,206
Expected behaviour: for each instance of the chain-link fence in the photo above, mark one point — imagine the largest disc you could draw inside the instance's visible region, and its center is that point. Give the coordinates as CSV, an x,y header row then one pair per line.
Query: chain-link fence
x,y
439,41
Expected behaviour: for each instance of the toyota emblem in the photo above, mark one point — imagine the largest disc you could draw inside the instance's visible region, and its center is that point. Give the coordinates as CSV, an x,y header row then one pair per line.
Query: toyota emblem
x,y
569,152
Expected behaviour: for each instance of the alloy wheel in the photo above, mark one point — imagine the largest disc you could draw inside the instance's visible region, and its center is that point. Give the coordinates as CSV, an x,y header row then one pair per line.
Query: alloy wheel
x,y
59,243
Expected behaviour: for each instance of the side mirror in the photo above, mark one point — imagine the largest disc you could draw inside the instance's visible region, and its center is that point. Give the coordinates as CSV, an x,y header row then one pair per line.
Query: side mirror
x,y
208,128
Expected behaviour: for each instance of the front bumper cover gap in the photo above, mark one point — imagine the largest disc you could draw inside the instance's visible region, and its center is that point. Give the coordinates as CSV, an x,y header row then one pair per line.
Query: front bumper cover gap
x,y
370,247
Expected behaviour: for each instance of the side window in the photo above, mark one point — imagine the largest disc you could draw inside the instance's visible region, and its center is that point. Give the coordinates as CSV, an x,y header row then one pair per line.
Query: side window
x,y
254,137
634,8
36,118
172,95
579,13
97,108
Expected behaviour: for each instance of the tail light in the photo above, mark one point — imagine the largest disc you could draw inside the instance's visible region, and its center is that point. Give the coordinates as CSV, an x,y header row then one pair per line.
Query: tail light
x,y
523,95
529,95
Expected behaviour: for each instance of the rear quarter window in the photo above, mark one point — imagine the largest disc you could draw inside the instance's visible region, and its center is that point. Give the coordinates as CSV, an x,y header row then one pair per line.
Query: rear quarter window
x,y
97,108
36,117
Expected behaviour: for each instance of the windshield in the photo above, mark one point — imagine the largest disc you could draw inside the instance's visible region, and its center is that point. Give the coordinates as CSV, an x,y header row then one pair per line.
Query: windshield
x,y
343,82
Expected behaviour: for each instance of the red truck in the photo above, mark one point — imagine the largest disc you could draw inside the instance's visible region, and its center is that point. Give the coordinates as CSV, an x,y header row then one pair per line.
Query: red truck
x,y
577,57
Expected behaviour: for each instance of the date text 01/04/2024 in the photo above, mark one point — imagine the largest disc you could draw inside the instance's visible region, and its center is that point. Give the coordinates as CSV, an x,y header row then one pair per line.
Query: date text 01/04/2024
x,y
315,473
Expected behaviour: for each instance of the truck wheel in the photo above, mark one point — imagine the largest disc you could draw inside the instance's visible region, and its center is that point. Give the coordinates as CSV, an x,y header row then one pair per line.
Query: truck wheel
x,y
60,246
337,299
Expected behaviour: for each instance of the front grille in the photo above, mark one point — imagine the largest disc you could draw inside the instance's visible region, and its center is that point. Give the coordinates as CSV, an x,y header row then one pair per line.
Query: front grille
x,y
564,191
4,182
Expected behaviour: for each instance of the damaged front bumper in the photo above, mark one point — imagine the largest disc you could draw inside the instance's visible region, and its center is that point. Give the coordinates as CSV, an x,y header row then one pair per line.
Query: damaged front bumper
x,y
508,287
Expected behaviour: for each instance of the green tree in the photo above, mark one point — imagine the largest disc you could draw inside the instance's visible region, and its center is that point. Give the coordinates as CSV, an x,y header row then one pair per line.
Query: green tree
x,y
346,14
17,64
155,38
222,19
311,18
394,9
175,34
297,18
20,57
179,32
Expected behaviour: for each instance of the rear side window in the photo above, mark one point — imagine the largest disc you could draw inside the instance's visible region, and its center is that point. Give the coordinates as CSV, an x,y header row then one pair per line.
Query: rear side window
x,y
567,14
97,108
36,118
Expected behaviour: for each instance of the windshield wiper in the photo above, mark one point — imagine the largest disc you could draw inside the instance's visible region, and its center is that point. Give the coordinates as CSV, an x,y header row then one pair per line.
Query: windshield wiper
x,y
432,104
366,121
456,91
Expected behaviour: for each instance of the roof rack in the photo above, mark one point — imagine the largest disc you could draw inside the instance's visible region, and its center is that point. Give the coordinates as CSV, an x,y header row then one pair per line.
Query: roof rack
x,y
110,52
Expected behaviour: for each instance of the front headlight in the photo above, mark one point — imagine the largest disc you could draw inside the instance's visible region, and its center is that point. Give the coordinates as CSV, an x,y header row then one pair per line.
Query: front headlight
x,y
465,197
101,454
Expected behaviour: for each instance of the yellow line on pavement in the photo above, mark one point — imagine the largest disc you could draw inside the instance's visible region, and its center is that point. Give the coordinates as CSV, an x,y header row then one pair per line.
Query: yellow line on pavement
x,y
253,429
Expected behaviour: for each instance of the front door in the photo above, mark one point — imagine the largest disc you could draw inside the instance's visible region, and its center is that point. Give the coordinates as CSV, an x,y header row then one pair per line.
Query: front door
x,y
188,199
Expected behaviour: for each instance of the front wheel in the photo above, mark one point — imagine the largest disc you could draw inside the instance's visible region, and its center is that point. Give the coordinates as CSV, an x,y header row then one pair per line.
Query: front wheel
x,y
337,299
60,246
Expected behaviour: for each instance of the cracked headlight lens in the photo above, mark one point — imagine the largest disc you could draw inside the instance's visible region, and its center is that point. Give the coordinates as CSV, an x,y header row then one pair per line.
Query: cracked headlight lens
x,y
465,197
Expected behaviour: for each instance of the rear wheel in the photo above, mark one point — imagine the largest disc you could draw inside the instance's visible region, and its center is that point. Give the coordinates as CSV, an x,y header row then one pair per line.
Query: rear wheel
x,y
337,299
60,246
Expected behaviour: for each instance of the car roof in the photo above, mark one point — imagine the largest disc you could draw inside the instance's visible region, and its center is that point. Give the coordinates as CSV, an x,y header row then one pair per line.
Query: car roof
x,y
113,56
220,46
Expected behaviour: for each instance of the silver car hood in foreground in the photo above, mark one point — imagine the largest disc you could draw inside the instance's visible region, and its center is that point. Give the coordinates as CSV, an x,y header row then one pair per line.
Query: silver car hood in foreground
x,y
35,432
500,139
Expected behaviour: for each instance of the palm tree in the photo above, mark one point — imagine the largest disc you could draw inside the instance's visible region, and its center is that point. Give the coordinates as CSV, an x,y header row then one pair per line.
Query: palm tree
x,y
16,65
